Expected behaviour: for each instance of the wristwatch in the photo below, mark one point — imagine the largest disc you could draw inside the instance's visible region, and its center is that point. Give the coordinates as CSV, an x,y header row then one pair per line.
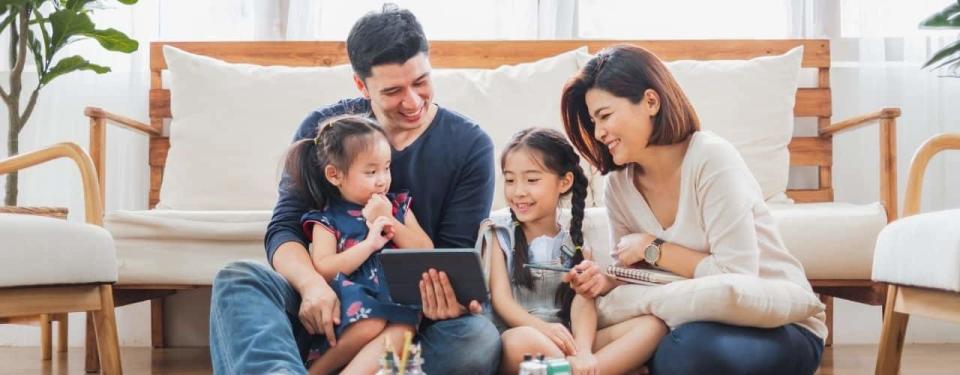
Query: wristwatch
x,y
651,253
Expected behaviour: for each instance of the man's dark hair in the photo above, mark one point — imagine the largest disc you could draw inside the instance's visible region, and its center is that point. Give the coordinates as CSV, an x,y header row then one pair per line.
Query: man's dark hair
x,y
390,36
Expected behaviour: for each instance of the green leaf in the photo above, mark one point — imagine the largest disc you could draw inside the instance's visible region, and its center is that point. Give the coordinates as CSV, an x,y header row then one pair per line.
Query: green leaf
x,y
71,64
7,21
950,49
75,4
67,23
37,50
954,61
45,34
114,40
944,19
14,3
128,2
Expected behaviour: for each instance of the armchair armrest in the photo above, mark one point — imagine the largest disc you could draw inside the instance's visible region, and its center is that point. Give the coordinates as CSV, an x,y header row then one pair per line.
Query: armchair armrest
x,y
99,119
93,206
887,118
929,148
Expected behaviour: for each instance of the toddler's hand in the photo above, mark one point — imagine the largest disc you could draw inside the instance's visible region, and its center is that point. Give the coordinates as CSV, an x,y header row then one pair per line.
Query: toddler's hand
x,y
380,232
377,206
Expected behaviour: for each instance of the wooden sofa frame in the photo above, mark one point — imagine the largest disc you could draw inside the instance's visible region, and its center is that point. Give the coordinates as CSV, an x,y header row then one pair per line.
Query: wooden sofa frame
x,y
804,151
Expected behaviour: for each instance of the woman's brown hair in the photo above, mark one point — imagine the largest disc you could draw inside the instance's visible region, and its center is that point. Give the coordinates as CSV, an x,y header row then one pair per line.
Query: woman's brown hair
x,y
625,71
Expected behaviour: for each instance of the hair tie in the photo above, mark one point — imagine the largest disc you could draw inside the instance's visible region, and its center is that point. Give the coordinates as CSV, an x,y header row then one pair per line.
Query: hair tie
x,y
578,248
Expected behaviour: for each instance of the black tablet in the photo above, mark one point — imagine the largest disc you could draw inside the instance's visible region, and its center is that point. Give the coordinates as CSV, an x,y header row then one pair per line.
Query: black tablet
x,y
403,270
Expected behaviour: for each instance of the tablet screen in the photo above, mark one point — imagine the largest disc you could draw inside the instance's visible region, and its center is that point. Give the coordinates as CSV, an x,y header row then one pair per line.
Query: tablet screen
x,y
403,270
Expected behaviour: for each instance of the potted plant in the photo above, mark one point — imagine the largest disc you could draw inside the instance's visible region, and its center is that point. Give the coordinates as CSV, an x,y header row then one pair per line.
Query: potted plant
x,y
39,29
949,56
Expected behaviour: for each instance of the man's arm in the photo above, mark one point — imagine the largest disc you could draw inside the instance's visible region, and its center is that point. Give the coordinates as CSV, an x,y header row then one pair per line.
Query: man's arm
x,y
471,198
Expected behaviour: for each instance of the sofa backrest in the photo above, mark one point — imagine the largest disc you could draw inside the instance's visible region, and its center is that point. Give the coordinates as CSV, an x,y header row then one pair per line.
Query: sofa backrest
x,y
811,102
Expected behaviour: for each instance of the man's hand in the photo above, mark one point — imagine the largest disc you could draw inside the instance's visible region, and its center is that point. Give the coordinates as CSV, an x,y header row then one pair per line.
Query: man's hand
x,y
378,206
320,311
629,249
588,280
438,299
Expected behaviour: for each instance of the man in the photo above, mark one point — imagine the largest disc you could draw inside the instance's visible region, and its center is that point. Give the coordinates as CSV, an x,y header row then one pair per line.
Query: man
x,y
261,319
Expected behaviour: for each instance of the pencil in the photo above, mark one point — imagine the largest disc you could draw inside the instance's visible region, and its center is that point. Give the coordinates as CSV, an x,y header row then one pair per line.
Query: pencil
x,y
407,337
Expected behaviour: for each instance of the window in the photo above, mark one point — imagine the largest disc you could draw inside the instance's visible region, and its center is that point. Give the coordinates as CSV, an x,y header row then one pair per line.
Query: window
x,y
684,19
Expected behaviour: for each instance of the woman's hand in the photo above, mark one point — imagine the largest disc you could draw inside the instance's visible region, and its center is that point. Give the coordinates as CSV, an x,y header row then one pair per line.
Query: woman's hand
x,y
378,206
320,310
380,232
630,248
588,280
583,364
560,335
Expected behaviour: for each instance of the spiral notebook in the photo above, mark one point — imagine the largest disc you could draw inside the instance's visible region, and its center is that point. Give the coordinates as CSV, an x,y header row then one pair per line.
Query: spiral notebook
x,y
643,276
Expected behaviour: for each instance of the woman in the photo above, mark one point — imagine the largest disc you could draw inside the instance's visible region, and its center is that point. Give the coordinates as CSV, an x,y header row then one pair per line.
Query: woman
x,y
682,200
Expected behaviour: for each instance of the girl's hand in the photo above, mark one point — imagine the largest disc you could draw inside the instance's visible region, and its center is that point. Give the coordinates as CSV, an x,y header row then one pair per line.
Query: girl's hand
x,y
583,364
630,248
380,232
588,280
560,335
378,206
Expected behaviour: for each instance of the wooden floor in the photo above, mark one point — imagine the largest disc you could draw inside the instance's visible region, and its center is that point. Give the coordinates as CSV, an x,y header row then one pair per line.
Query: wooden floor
x,y
839,360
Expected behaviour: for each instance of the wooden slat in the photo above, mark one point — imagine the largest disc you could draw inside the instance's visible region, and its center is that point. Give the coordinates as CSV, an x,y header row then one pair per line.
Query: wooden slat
x,y
810,196
154,197
823,77
888,167
811,151
60,299
490,54
159,146
160,103
812,103
826,177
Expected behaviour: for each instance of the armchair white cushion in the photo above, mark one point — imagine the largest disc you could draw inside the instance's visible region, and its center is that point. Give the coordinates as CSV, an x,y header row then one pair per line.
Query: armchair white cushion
x,y
39,250
921,250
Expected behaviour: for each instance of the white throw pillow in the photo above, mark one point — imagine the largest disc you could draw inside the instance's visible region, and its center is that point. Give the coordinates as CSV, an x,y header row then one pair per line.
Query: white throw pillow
x,y
750,104
511,98
232,125
734,299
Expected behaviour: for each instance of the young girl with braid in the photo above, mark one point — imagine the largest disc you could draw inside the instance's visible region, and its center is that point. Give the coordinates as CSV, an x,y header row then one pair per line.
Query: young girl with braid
x,y
536,311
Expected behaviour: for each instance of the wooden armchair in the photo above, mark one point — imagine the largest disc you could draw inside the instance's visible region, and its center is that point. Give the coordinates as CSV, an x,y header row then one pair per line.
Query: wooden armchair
x,y
65,282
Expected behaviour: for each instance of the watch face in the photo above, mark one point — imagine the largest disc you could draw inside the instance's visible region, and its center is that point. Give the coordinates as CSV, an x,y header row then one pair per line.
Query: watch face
x,y
650,254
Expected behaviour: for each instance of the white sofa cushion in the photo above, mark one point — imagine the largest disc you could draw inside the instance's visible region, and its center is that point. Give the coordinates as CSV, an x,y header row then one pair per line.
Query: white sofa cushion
x,y
36,250
921,250
832,240
184,247
727,298
222,111
749,103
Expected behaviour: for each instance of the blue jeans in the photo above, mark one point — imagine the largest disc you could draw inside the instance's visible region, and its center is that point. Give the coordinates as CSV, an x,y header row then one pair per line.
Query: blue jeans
x,y
254,329
716,348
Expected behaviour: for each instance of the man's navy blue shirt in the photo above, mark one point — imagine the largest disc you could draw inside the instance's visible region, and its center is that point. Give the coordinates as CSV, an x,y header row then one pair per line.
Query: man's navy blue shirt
x,y
448,170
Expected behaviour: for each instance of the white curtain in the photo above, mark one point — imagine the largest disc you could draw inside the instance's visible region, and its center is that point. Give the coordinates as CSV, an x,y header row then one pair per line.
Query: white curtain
x,y
878,50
